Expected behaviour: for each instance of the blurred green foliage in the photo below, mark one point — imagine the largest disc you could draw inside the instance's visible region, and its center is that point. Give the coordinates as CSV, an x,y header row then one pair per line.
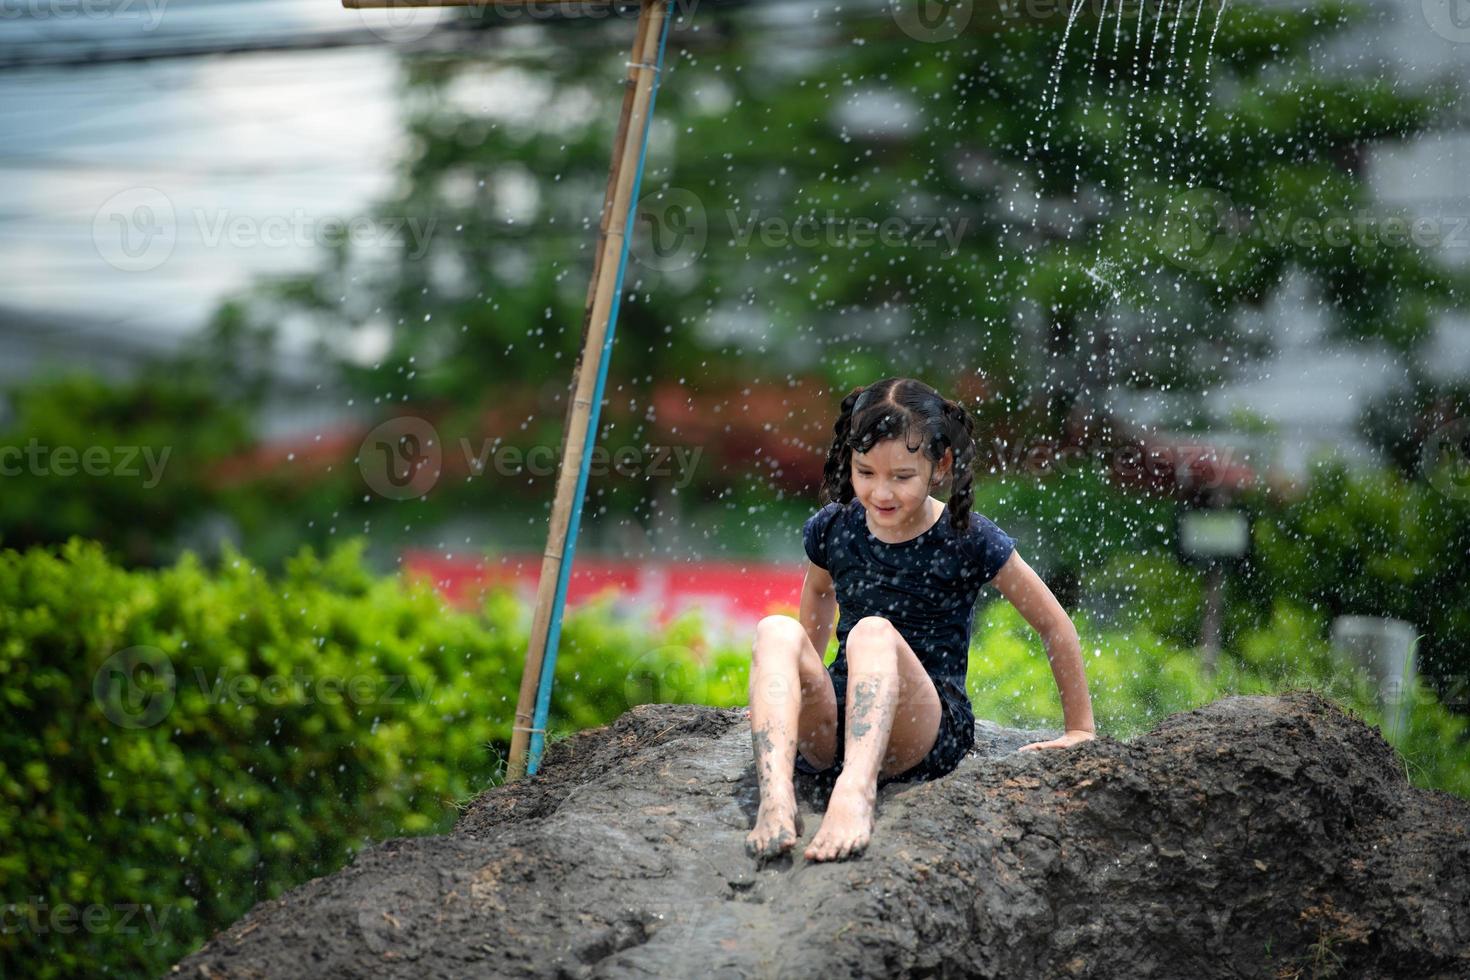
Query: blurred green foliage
x,y
124,462
1348,541
1137,678
195,741
1375,544
1063,173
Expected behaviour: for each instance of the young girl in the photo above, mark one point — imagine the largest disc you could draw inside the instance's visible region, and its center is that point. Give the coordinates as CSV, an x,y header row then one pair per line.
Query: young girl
x,y
905,570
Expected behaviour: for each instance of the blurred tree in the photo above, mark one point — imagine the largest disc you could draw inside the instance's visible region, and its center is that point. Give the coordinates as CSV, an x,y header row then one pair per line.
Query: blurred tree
x,y
1109,207
1406,424
1028,224
121,463
127,463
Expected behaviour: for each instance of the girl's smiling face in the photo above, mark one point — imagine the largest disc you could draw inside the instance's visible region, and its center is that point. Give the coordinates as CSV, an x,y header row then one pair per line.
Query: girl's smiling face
x,y
893,482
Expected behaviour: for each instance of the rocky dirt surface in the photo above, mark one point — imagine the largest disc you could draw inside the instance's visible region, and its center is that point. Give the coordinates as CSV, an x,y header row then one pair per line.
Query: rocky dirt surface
x,y
1254,837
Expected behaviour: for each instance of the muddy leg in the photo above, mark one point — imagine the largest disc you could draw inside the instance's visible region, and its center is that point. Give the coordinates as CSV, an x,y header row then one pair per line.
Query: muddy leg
x,y
873,689
775,708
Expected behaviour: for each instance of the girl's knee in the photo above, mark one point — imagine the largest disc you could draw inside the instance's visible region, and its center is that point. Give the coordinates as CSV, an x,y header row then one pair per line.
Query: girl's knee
x,y
777,636
871,647
871,629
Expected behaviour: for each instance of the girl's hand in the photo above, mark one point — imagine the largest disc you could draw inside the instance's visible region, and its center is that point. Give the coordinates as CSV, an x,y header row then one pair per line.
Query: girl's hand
x,y
1073,737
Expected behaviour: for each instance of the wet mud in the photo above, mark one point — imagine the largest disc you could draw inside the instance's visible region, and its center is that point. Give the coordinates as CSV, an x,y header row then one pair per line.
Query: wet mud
x,y
1263,836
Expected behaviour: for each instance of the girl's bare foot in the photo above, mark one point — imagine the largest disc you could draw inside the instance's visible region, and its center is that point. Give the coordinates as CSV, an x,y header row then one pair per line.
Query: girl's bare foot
x,y
847,826
778,825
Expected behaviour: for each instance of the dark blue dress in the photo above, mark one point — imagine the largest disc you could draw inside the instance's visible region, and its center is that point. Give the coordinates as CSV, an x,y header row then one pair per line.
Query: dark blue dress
x,y
927,588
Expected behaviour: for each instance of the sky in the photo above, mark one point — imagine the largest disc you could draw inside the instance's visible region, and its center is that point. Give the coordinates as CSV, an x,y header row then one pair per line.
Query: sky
x,y
143,192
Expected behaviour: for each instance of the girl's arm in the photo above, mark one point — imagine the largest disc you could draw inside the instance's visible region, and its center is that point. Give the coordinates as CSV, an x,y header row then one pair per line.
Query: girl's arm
x,y
1029,594
818,606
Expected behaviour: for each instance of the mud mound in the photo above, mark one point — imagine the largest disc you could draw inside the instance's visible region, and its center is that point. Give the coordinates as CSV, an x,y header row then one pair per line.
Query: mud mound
x,y
1256,836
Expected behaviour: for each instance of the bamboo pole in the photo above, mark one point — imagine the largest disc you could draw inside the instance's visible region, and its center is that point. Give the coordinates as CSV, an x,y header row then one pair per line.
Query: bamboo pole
x,y
630,91
601,292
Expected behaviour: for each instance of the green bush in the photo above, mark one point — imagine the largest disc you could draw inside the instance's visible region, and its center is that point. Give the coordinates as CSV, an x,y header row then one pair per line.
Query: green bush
x,y
1369,543
1373,544
124,463
183,743
1152,590
1137,679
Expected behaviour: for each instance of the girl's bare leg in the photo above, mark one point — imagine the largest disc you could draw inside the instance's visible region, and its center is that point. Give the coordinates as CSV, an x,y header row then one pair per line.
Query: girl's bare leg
x,y
848,824
893,716
782,651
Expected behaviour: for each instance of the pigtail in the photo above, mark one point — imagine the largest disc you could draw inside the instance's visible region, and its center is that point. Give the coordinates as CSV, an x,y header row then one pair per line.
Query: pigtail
x,y
961,432
836,477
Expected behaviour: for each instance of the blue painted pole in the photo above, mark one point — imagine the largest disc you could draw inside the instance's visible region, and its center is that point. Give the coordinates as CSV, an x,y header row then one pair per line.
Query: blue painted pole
x,y
553,635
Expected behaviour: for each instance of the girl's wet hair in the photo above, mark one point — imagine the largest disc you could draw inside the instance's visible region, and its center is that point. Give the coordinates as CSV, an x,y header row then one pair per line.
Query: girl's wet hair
x,y
927,422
